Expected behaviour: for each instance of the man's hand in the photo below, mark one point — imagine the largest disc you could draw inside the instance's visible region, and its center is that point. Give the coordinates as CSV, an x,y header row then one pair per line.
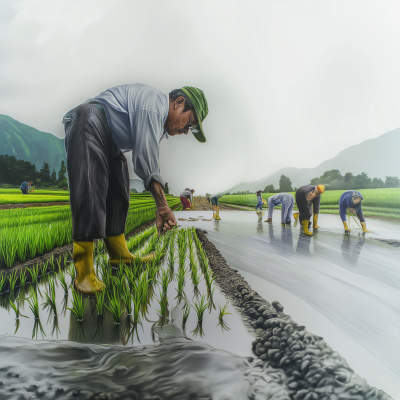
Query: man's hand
x,y
165,220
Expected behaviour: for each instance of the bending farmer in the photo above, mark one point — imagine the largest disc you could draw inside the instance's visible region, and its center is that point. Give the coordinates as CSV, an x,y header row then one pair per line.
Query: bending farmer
x,y
214,202
287,201
25,186
259,201
351,201
186,198
305,197
124,118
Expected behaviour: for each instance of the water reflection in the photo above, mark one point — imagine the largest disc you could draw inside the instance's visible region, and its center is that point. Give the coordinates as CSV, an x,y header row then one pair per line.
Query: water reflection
x,y
351,247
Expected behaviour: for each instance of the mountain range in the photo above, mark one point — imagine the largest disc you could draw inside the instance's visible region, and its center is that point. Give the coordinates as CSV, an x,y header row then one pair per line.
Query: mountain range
x,y
377,157
29,144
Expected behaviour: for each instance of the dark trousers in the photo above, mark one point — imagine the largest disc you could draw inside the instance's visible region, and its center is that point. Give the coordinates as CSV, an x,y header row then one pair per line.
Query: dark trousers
x,y
24,191
97,174
305,208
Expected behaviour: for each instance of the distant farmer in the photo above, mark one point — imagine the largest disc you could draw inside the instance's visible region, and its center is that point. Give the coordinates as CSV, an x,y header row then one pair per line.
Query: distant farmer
x,y
287,202
24,187
305,197
351,201
124,118
259,201
214,202
187,198
209,198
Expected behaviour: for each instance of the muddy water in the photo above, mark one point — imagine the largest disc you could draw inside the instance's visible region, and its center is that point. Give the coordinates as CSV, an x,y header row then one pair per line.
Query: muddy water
x,y
344,287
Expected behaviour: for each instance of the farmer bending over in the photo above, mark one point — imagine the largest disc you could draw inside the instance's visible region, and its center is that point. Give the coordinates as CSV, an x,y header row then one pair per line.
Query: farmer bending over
x,y
25,186
187,198
287,202
124,118
305,197
351,201
214,202
259,202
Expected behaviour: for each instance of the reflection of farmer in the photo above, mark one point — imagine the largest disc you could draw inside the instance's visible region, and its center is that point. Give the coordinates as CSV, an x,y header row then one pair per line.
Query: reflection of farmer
x,y
351,201
305,197
259,201
186,198
25,187
287,201
351,251
214,202
124,118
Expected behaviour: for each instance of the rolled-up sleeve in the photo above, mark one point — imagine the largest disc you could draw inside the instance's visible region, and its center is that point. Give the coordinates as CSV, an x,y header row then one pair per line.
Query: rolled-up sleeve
x,y
316,203
145,129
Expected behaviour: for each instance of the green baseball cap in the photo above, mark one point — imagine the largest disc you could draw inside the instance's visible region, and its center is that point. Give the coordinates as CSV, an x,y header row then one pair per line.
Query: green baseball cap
x,y
199,101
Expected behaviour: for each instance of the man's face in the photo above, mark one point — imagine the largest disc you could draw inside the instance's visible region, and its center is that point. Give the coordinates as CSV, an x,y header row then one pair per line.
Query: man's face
x,y
192,191
356,200
178,122
312,195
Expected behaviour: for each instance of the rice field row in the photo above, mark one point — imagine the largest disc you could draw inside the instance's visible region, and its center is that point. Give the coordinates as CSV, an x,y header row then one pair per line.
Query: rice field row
x,y
26,233
377,202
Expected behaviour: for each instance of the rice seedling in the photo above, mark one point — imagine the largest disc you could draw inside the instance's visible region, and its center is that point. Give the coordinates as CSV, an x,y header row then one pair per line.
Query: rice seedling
x,y
114,306
186,312
50,297
208,277
33,303
3,281
78,306
37,326
71,271
100,298
51,260
152,271
198,331
34,272
59,260
55,327
65,259
60,276
137,305
12,280
164,281
100,246
44,268
200,307
126,298
22,245
142,287
181,276
223,310
163,303
22,278
15,307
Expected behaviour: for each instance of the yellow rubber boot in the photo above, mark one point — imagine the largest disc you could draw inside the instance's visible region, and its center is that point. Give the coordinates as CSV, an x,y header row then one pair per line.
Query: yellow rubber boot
x,y
117,250
296,216
86,280
315,220
305,228
217,218
214,215
364,227
346,227
262,212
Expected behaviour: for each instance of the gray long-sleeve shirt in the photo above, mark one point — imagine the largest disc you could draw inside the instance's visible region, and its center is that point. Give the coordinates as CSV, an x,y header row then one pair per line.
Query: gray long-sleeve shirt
x,y
187,194
136,114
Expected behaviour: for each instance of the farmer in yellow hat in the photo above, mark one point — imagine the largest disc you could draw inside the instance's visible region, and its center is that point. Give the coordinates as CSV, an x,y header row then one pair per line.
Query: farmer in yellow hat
x,y
307,196
124,118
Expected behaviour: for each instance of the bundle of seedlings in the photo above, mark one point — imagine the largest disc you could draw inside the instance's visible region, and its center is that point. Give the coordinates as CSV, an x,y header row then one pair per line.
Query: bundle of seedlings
x,y
60,276
164,281
12,280
186,312
114,306
181,276
135,242
222,312
33,302
163,311
150,247
22,279
78,305
15,307
34,272
50,297
126,297
181,248
100,298
200,307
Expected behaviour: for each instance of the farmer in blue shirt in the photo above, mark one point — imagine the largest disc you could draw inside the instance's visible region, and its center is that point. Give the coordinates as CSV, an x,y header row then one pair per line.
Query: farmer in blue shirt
x,y
287,201
214,202
24,187
351,201
98,132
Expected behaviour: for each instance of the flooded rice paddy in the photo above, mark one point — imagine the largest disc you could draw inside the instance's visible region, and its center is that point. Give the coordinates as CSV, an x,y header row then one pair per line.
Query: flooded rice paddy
x,y
344,287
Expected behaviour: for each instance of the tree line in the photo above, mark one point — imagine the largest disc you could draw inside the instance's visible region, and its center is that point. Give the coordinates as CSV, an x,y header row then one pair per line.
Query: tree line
x,y
334,180
13,172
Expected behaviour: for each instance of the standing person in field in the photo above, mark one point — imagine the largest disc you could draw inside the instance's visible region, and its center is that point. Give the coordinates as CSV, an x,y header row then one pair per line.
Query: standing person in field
x,y
214,202
25,186
124,118
259,201
186,198
307,196
351,201
287,202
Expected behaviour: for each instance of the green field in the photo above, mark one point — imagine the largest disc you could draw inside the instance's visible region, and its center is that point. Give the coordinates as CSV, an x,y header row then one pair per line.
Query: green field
x,y
382,203
28,232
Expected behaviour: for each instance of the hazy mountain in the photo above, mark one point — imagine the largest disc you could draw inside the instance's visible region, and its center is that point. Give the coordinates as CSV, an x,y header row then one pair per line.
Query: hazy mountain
x,y
377,157
137,184
27,143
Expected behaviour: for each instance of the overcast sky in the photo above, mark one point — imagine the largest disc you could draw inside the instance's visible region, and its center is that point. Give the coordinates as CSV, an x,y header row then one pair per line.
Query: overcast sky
x,y
288,83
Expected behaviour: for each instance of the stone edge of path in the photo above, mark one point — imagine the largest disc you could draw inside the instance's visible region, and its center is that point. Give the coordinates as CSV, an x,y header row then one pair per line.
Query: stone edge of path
x,y
59,251
313,369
